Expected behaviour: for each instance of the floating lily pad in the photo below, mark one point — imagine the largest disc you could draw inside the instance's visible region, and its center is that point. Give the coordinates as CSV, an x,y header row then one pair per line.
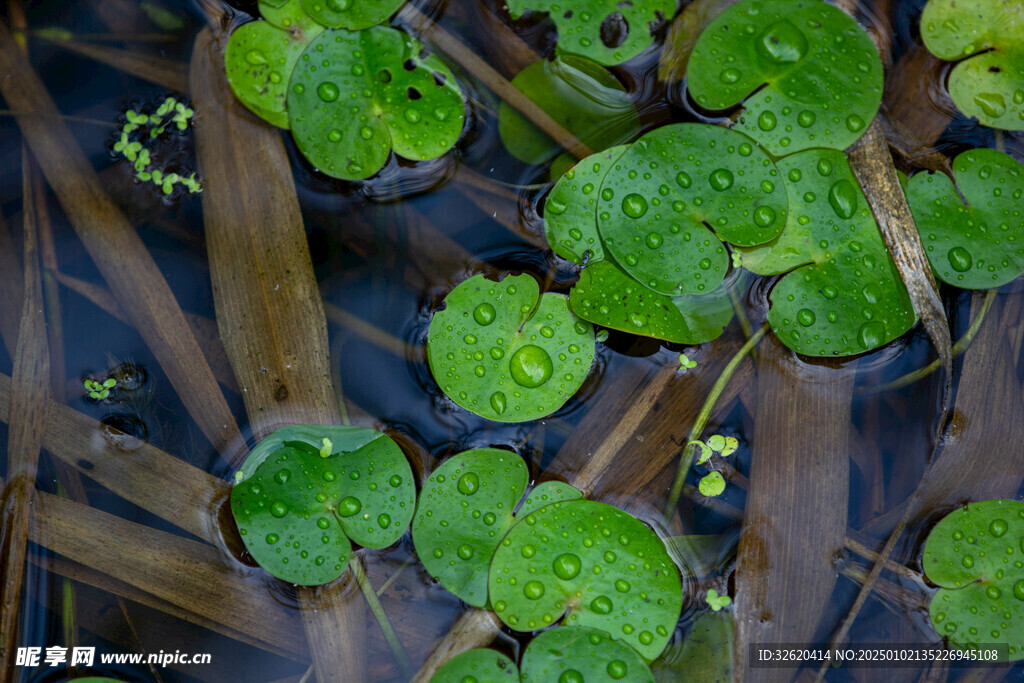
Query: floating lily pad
x,y
464,511
581,95
842,294
507,353
703,656
806,73
607,31
988,35
980,244
286,14
355,96
602,566
477,666
570,210
297,510
605,295
974,554
259,60
351,14
659,198
577,653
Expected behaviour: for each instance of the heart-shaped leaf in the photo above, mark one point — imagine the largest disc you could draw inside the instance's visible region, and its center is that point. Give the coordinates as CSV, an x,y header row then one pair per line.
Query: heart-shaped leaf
x,y
602,566
842,294
464,511
259,60
577,93
607,31
988,35
477,666
605,295
577,653
504,352
973,554
659,198
296,510
806,73
351,14
355,96
980,244
570,209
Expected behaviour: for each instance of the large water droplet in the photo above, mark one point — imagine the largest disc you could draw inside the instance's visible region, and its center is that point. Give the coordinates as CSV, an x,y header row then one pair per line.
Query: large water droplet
x,y
993,104
533,590
654,240
634,205
960,259
555,206
617,669
349,506
967,561
854,123
327,91
766,121
1018,590
764,216
998,527
484,314
570,676
283,475
729,75
272,539
498,402
805,317
721,179
530,366
384,521
782,43
684,180
278,509
469,483
806,118
872,335
464,552
602,604
255,57
843,198
566,566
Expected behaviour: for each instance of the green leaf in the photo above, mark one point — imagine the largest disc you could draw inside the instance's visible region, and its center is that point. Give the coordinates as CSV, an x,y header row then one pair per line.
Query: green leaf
x,y
579,94
286,14
703,656
576,653
988,35
479,666
545,494
607,31
659,198
464,511
355,96
606,295
570,210
602,566
297,511
973,554
806,73
842,294
505,353
259,61
712,484
978,244
351,14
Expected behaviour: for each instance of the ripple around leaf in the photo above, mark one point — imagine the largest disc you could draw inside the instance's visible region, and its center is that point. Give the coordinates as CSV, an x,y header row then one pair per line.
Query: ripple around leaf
x,y
604,568
352,98
607,31
842,294
988,36
464,511
507,353
659,198
296,510
980,244
806,73
974,555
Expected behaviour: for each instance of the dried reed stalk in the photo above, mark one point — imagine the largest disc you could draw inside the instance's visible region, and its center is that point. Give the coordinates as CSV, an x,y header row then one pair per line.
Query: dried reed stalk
x,y
12,284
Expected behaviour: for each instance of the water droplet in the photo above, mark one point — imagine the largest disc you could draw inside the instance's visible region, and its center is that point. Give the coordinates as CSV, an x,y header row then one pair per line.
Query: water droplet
x,y
622,586
570,676
484,314
384,521
602,604
1018,590
335,135
872,335
766,121
637,319
555,207
998,527
528,551
530,366
843,198
829,292
854,123
617,669
298,88
968,561
272,539
490,519
395,480
805,317
275,77
993,592
533,590
278,509
684,180
654,240
327,91
412,115
634,206
764,216
468,484
993,104
349,506
255,57
805,118
470,339
498,402
960,259
825,167
782,43
323,523
729,75
721,179
646,637
566,566
282,476
745,149
464,552
366,132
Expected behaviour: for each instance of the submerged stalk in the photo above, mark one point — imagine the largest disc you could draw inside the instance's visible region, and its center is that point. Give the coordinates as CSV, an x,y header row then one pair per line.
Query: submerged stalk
x,y
961,345
382,618
702,419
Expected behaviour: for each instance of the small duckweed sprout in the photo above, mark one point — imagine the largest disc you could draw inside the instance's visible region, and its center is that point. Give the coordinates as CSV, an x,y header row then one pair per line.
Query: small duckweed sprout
x,y
712,485
325,449
98,391
716,601
685,363
134,151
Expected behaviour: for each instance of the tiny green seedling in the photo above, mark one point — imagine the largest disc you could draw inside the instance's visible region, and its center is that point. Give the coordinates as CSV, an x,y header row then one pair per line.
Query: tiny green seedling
x,y
716,444
100,391
326,448
169,113
712,485
806,73
715,601
986,39
974,555
685,363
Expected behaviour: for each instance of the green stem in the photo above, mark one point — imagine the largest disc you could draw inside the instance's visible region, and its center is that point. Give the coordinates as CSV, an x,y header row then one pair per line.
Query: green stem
x,y
382,618
958,349
686,461
391,579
